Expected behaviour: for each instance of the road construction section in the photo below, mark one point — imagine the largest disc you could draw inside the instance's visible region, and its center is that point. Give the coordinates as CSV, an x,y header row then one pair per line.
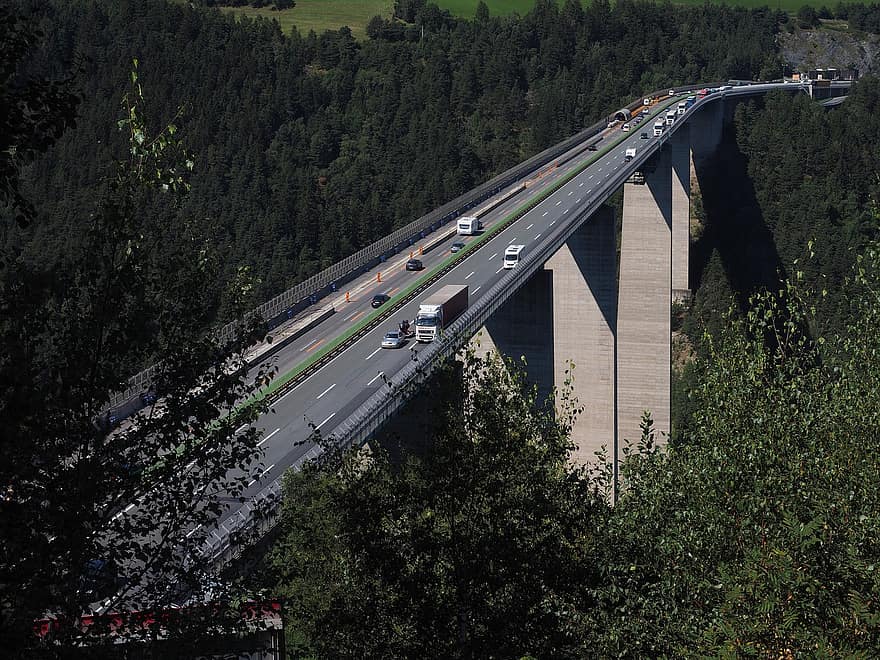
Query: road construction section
x,y
283,336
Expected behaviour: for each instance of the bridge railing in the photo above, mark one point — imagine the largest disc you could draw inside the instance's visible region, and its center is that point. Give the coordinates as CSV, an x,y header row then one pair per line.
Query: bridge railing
x,y
259,515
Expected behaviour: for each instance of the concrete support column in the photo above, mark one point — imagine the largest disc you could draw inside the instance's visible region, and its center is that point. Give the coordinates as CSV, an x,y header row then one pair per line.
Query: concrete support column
x,y
644,302
680,146
584,320
523,328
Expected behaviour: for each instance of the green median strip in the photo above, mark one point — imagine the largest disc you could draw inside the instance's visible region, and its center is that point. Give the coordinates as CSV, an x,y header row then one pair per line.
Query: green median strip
x,y
426,279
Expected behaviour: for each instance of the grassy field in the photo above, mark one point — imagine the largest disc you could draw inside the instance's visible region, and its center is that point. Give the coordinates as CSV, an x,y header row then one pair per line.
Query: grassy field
x,y
320,15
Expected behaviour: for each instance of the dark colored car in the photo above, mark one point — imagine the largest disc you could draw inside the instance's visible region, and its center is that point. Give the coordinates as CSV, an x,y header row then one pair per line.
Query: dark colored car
x,y
592,147
456,247
379,299
414,264
644,136
100,579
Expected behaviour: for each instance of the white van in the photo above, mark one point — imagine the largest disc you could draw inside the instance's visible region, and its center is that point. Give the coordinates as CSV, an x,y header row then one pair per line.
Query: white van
x,y
512,255
625,127
468,226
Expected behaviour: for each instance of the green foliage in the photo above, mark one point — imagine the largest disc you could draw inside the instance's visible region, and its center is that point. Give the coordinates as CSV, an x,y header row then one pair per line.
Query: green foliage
x,y
76,491
33,112
754,535
476,548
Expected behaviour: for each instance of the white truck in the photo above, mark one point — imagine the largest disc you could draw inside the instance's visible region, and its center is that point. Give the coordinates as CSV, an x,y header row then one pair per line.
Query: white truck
x,y
512,255
440,309
629,154
468,226
659,125
670,117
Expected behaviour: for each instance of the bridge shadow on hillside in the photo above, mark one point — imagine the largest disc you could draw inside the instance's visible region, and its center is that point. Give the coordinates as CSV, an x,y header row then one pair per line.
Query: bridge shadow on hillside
x,y
734,225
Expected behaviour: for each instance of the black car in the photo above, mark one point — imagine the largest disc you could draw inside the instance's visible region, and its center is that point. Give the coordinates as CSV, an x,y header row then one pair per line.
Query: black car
x,y
379,299
644,136
592,147
414,264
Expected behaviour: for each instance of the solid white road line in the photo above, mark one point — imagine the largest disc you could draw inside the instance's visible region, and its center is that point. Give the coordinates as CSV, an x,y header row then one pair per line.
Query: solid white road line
x,y
372,380
327,390
373,353
266,471
260,443
332,415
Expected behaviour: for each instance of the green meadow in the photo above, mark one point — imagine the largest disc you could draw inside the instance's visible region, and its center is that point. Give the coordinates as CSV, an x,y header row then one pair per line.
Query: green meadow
x,y
321,15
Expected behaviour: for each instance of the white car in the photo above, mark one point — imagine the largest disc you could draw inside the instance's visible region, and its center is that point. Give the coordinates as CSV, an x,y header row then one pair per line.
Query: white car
x,y
393,339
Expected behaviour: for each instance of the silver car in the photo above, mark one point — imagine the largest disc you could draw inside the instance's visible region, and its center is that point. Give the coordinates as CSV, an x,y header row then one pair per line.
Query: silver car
x,y
393,339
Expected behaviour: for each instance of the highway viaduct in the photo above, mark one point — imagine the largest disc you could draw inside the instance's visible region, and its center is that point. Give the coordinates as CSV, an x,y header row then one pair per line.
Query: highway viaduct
x,y
570,299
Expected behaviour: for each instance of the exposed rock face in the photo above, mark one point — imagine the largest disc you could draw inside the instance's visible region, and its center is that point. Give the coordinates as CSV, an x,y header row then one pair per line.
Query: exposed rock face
x,y
808,49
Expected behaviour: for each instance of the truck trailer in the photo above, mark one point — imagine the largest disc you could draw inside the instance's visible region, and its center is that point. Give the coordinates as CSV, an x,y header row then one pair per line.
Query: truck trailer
x,y
469,226
440,309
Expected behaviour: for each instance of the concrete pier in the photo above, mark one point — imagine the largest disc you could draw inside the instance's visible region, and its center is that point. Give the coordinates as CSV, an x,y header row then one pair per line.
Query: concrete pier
x,y
644,302
584,320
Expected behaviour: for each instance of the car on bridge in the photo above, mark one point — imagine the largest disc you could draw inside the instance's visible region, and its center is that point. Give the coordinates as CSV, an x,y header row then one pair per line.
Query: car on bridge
x,y
644,136
393,339
456,247
414,264
379,299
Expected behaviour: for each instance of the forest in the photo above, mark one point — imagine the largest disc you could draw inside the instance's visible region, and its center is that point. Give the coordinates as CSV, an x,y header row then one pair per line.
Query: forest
x,y
310,147
165,167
